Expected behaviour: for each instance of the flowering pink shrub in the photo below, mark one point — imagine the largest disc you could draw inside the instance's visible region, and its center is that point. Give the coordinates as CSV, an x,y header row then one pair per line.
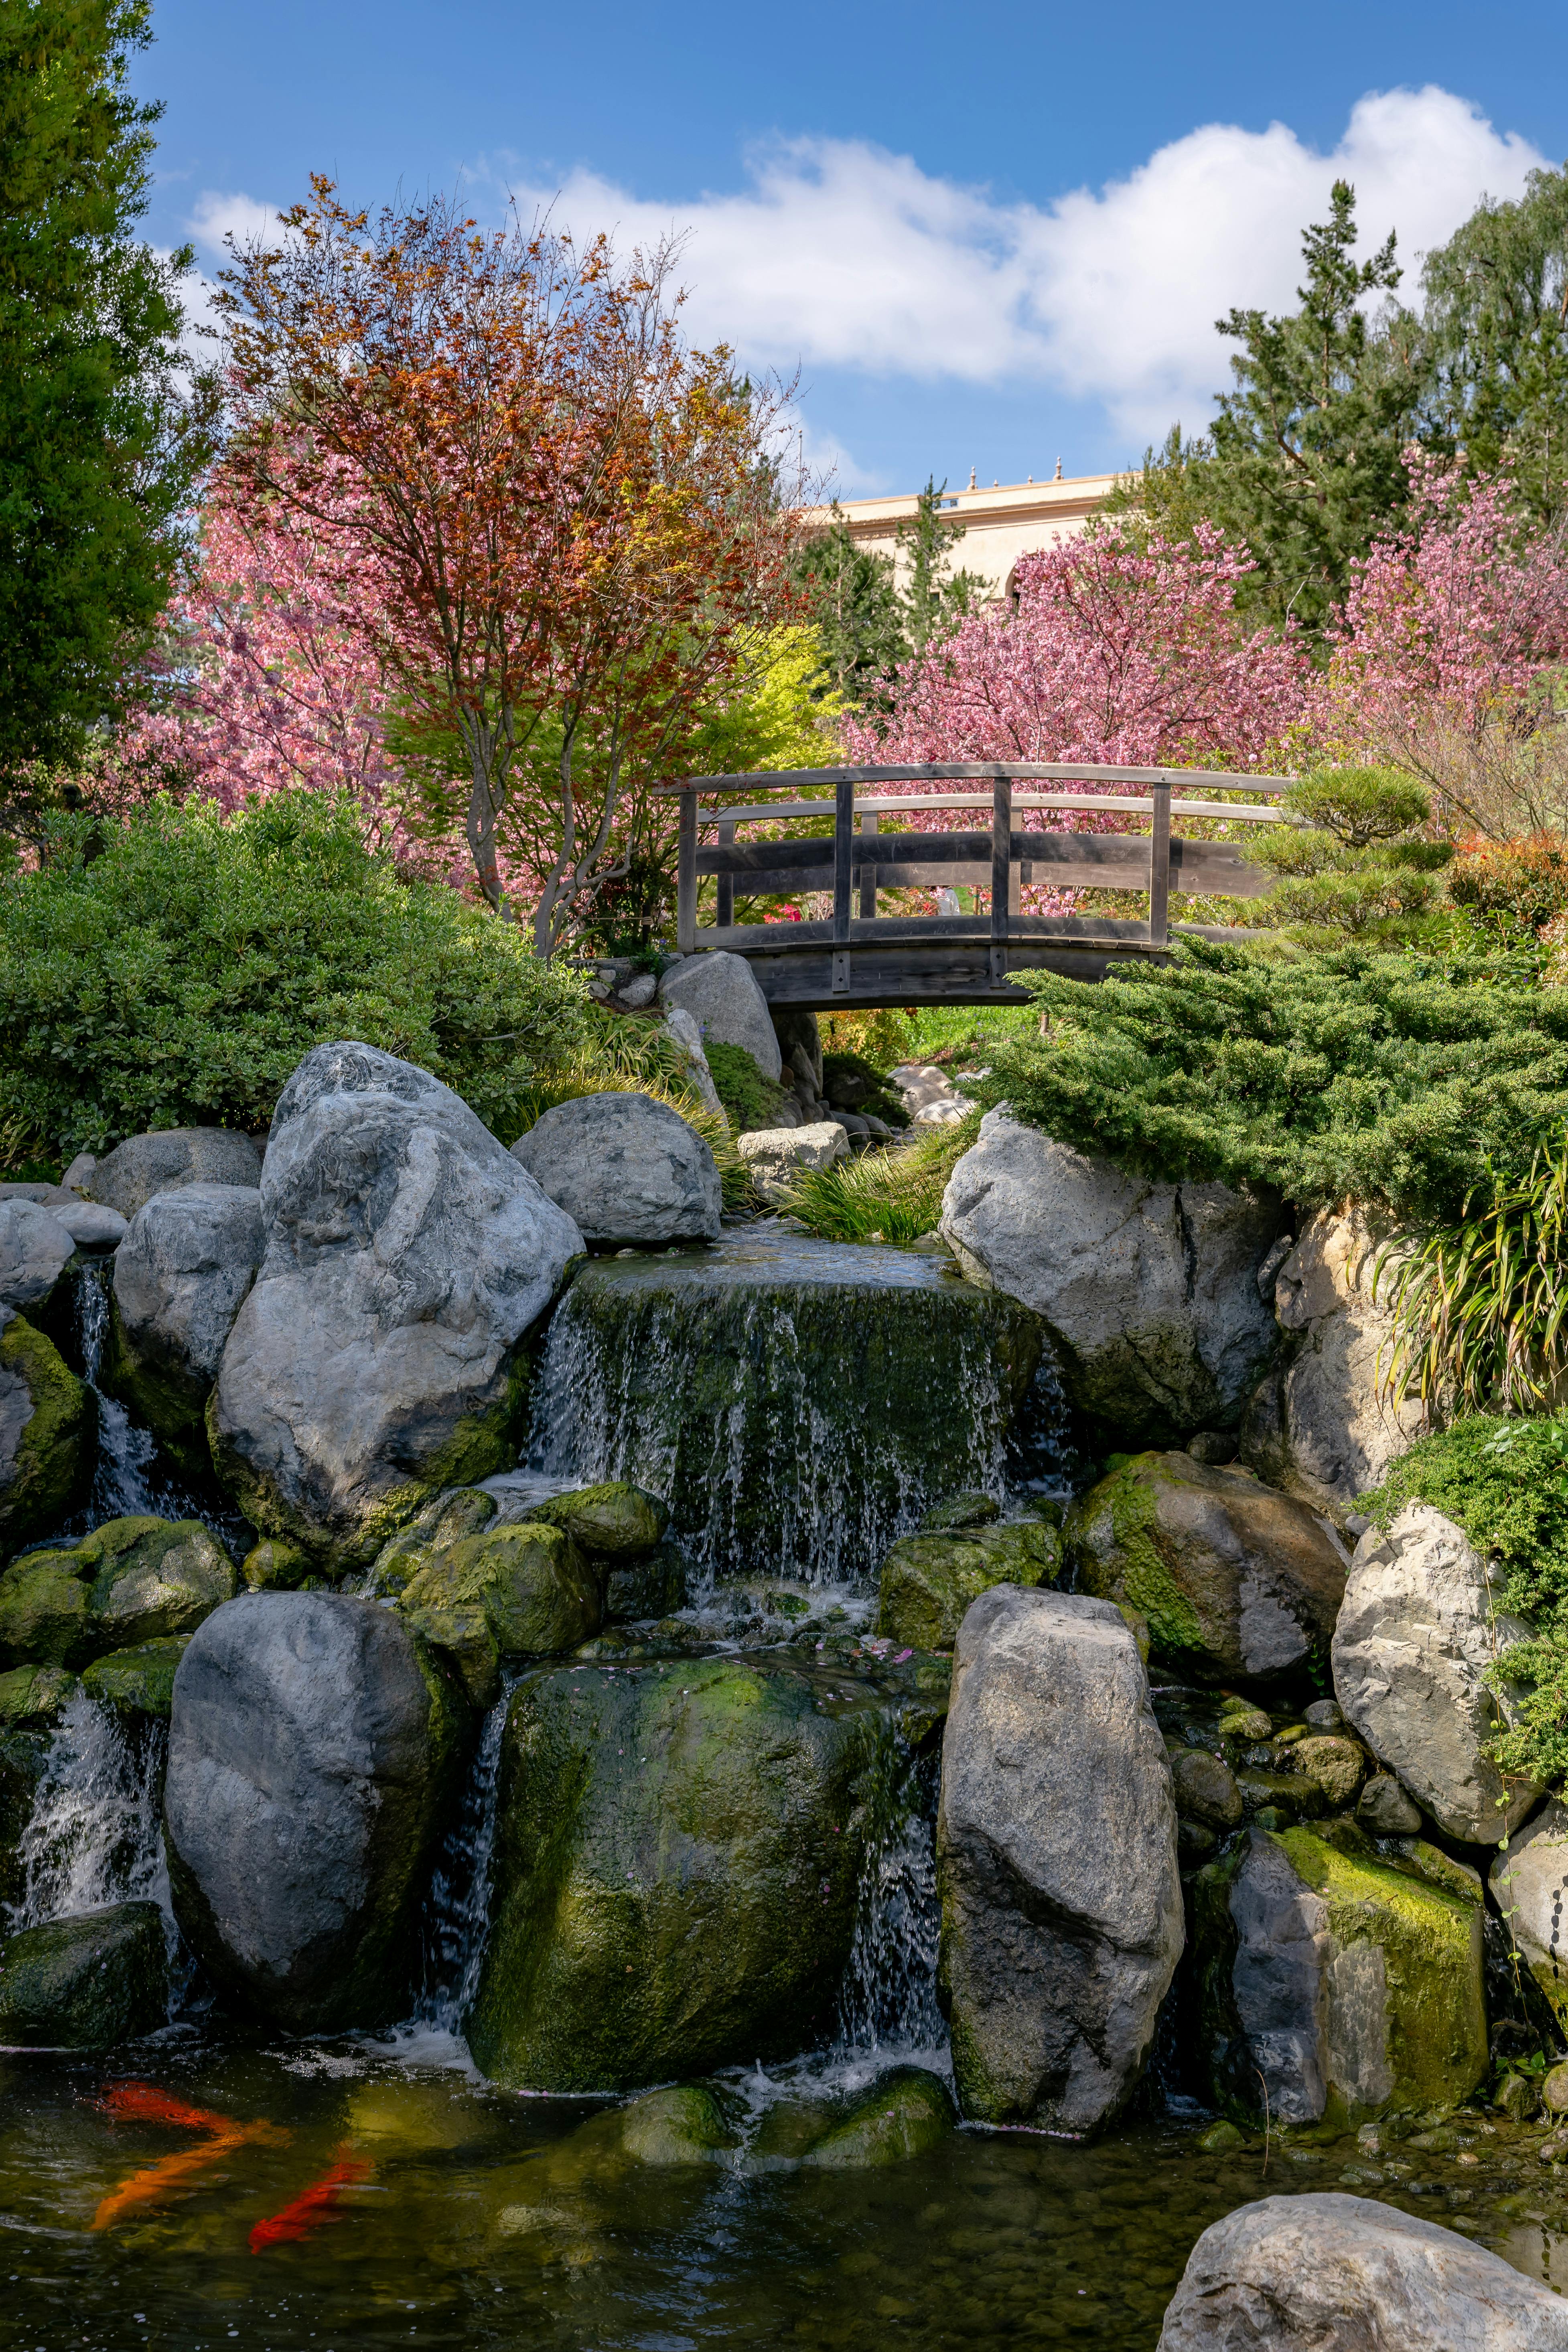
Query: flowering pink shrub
x,y
1116,654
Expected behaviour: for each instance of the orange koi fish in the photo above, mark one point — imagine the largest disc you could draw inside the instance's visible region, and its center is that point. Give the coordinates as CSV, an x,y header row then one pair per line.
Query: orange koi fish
x,y
140,2103
314,2205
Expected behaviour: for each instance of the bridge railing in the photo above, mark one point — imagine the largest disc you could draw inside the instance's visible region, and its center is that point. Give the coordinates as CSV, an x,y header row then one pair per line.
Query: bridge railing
x,y
1000,856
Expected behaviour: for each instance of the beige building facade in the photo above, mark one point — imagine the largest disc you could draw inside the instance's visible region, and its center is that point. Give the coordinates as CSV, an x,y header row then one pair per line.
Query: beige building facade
x,y
1000,524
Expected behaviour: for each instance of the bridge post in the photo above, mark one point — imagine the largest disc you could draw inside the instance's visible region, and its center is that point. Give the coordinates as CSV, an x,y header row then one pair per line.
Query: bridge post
x,y
726,914
1001,864
686,877
1160,868
867,873
843,872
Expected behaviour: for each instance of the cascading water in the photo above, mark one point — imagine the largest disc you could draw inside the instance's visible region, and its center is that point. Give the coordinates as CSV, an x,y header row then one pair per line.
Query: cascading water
x,y
888,2001
123,1484
456,1909
798,1403
94,1836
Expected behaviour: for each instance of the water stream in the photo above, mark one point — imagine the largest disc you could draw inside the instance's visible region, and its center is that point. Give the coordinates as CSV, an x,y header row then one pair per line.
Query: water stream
x,y
95,1836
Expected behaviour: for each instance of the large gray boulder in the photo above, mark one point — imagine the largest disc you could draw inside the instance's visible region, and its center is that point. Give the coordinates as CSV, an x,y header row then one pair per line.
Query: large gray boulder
x,y
1062,1909
722,993
1418,1631
1335,1982
1321,1425
1531,1884
35,1251
128,1177
1237,1582
686,1037
180,1275
314,1753
624,1168
1150,1291
378,1357
1325,2273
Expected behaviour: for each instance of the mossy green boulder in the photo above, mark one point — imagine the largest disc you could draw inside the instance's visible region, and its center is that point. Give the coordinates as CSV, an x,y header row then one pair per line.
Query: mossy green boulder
x,y
139,1681
678,1851
928,1581
47,1428
1238,1583
129,1581
274,1566
444,1520
906,2112
685,2125
87,1982
1348,1986
463,1639
537,1591
614,1520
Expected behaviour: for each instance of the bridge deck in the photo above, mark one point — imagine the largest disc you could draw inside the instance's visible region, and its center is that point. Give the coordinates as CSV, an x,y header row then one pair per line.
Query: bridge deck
x,y
855,957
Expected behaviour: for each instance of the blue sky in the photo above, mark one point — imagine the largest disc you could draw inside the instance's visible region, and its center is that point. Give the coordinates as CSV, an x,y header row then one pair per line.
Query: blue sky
x,y
989,236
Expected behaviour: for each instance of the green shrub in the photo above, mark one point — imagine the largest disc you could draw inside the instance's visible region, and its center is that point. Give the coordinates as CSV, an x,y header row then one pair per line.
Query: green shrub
x,y
889,1196
750,1099
1355,859
176,977
1387,1076
1505,1482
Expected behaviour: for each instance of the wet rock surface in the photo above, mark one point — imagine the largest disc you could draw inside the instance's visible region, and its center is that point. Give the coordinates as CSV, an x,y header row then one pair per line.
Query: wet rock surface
x,y
1417,1634
376,1359
624,1168
533,1586
1237,1582
678,1845
1149,1291
47,1427
1314,2271
1056,1860
87,1982
1341,1984
928,1581
313,1758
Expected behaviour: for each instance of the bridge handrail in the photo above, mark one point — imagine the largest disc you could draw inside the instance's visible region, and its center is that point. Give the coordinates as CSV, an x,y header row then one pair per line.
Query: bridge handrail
x,y
1006,858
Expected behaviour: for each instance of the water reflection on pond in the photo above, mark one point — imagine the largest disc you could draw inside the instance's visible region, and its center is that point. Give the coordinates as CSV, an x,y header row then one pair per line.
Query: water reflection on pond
x,y
486,2220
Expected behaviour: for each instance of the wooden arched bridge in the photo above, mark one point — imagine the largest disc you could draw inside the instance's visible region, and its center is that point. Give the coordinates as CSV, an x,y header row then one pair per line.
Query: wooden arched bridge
x,y
857,958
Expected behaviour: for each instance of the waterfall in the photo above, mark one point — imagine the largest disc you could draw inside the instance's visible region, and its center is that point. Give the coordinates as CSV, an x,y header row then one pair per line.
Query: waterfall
x,y
94,1837
798,1404
121,1486
456,1909
888,2003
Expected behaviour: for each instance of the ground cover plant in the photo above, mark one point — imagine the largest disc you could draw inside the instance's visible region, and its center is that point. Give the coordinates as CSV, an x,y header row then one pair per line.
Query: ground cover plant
x,y
173,970
884,1196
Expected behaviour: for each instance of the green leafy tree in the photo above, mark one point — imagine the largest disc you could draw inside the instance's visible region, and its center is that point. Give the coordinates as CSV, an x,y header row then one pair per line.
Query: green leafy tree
x,y
856,612
1497,315
935,598
1302,461
98,448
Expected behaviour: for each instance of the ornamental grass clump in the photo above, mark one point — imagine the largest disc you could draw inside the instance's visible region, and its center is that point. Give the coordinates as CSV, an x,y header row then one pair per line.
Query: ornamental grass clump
x,y
885,1196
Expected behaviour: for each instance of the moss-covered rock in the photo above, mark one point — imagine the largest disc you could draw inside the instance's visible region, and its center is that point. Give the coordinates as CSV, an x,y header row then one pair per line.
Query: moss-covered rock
x,y
139,1681
1206,1789
971,1509
153,1579
463,1638
654,1585
273,1566
686,2124
929,1582
47,1432
678,1854
1337,1764
537,1592
87,1982
1350,1985
614,1520
45,1611
444,1520
1237,1582
906,2112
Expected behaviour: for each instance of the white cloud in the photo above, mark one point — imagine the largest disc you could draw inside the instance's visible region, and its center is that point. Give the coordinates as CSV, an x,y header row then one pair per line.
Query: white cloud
x,y
216,216
841,255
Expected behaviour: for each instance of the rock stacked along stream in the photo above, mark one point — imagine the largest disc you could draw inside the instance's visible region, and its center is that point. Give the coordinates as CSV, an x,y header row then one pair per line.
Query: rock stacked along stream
x,y
746,1680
